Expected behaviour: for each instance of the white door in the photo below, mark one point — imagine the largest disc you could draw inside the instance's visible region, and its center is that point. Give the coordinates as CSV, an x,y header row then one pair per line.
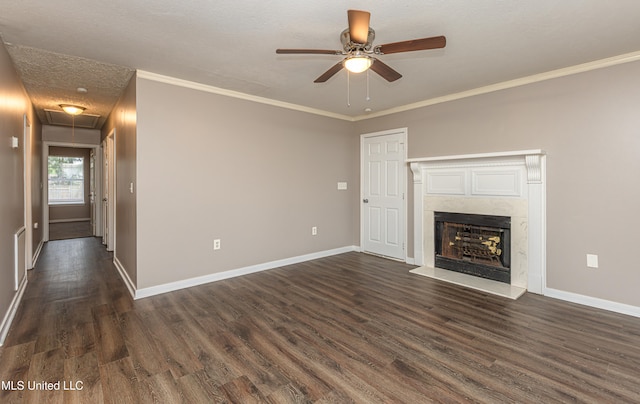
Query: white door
x,y
105,192
383,193
92,189
108,191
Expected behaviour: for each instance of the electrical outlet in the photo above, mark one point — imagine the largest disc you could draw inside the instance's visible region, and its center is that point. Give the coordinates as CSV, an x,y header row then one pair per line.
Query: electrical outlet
x,y
216,244
592,261
314,231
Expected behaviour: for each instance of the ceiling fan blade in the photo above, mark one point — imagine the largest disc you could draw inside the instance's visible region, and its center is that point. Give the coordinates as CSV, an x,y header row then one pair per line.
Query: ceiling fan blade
x,y
413,45
384,70
308,51
329,73
358,25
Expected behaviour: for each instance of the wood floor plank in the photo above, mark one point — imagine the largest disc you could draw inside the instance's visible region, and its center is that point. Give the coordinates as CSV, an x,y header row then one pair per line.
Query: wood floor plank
x,y
119,382
141,346
46,371
110,343
82,375
15,361
346,328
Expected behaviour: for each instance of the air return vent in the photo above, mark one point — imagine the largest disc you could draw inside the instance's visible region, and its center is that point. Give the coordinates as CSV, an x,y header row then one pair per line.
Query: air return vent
x,y
88,121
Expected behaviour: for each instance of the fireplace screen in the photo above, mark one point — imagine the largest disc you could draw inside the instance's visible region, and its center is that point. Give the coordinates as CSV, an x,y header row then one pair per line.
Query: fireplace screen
x,y
474,244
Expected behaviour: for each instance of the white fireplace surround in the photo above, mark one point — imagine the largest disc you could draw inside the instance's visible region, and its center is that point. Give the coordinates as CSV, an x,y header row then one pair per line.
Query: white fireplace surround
x,y
503,183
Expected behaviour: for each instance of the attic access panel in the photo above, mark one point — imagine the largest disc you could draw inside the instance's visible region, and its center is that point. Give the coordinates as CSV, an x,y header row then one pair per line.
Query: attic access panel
x,y
88,121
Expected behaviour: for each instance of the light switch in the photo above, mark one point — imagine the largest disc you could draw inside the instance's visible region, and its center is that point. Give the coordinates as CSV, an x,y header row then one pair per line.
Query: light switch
x,y
592,261
14,142
342,186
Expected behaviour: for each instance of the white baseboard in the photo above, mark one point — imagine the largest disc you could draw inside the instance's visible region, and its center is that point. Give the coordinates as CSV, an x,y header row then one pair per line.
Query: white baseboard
x,y
36,254
187,283
125,277
82,219
593,302
13,308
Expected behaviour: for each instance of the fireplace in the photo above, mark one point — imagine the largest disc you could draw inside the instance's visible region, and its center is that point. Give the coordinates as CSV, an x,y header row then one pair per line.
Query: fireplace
x,y
478,245
503,184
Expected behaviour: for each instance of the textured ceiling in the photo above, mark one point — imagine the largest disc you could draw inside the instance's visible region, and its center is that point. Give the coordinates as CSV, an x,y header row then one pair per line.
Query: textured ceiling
x,y
231,44
52,79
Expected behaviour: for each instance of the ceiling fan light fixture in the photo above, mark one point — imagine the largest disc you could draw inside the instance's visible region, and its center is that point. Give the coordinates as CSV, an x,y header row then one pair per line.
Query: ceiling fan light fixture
x,y
72,109
358,63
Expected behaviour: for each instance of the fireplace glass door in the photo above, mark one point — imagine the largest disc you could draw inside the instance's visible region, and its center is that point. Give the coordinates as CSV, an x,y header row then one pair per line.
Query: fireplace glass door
x,y
477,245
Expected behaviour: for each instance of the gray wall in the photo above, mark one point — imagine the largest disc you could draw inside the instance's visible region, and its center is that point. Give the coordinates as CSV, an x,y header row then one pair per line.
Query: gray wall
x,y
589,124
255,176
14,104
65,134
123,120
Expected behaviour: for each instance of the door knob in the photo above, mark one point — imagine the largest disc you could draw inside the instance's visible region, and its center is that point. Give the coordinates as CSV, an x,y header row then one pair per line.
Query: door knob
x,y
365,200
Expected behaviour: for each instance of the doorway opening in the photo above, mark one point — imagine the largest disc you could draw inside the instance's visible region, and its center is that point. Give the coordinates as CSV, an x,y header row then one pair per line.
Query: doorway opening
x,y
71,202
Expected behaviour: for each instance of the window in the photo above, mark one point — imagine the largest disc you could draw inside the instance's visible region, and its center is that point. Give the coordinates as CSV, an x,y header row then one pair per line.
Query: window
x,y
66,180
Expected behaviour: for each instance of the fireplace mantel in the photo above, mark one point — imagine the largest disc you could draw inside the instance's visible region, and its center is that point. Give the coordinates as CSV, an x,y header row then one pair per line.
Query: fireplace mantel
x,y
503,177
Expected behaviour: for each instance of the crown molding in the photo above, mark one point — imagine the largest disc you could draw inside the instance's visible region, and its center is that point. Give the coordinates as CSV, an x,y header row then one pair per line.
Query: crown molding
x,y
553,74
236,94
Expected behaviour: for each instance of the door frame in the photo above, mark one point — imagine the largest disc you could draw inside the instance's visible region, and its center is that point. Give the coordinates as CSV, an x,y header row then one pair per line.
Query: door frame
x,y
45,181
403,173
28,196
109,223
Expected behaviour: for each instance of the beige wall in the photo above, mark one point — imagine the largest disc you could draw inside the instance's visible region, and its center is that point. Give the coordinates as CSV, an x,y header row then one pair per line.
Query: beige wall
x,y
14,104
58,213
37,182
65,134
255,176
123,120
589,125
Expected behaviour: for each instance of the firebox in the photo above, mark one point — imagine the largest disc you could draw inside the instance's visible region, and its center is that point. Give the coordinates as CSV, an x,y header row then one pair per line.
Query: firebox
x,y
477,245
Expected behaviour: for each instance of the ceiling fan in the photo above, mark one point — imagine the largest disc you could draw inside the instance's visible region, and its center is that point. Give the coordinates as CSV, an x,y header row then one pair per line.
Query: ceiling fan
x,y
357,42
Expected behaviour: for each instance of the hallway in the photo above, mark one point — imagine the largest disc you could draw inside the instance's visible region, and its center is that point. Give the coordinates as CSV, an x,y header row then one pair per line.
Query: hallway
x,y
73,292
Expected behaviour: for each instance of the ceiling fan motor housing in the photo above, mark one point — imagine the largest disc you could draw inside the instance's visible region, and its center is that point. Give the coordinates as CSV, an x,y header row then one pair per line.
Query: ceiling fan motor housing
x,y
348,45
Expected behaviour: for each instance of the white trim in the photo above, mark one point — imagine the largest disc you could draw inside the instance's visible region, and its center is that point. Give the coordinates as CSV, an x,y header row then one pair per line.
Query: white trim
x,y
236,94
36,255
17,253
553,74
11,312
593,302
515,153
28,196
45,175
187,283
125,277
85,219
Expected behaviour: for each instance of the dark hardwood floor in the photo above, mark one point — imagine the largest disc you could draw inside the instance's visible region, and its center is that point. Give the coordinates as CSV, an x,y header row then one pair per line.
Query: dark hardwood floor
x,y
348,328
66,230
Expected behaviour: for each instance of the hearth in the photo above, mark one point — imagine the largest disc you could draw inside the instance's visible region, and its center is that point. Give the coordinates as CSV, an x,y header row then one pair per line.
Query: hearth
x,y
478,245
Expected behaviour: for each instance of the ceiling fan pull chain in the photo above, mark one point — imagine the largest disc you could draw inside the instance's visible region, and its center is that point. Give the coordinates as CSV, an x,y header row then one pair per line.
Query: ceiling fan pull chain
x,y
368,97
348,89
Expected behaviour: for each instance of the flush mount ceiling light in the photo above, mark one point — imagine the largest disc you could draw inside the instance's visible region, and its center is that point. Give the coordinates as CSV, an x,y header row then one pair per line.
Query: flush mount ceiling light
x,y
72,109
358,62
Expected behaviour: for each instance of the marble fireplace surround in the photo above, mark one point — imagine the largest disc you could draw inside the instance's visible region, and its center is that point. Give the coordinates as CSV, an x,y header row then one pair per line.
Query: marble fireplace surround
x,y
504,184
